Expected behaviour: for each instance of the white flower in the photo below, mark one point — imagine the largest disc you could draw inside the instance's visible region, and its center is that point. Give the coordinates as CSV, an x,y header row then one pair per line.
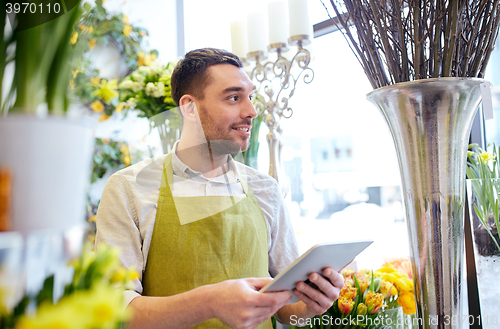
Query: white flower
x,y
159,90
150,88
157,67
132,102
138,77
146,69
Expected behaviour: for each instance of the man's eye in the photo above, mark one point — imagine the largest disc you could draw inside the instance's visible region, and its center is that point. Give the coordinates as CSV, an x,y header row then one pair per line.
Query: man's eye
x,y
233,98
252,96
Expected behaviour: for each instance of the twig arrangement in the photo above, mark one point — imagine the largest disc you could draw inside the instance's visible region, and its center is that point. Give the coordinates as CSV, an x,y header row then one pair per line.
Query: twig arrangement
x,y
403,40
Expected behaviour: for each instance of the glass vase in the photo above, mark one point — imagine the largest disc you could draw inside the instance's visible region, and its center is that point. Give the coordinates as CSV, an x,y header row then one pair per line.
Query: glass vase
x,y
483,195
430,122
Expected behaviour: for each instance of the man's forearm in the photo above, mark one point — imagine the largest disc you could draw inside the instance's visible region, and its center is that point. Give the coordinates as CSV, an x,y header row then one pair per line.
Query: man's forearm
x,y
185,310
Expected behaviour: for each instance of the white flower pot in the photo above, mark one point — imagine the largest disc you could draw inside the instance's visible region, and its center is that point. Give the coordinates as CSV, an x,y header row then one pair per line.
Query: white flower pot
x,y
50,160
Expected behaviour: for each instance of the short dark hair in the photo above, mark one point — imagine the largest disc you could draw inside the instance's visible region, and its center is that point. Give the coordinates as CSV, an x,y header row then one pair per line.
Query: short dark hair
x,y
190,76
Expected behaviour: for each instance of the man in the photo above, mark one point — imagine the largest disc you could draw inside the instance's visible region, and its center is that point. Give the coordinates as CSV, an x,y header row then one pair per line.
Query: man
x,y
205,231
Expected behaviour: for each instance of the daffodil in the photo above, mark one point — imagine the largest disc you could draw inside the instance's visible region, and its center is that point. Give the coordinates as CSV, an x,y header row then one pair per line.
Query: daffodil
x,y
127,29
107,90
74,38
97,106
485,157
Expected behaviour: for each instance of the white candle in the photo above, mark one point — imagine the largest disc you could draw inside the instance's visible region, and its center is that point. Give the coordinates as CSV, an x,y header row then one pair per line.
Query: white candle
x,y
257,31
239,38
299,18
278,22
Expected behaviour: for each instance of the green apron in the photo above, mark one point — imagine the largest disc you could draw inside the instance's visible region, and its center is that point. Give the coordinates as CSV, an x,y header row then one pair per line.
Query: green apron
x,y
231,244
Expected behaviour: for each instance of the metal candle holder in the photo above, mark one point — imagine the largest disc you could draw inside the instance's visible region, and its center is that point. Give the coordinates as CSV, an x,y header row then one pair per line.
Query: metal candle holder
x,y
275,106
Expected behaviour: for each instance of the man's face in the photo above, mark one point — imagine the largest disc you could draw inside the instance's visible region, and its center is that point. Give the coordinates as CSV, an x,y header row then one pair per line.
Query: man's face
x,y
226,111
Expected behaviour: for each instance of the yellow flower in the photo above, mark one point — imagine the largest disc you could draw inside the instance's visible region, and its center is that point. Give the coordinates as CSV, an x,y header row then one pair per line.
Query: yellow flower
x,y
90,29
362,309
104,117
125,19
92,44
82,27
404,284
387,268
387,288
127,29
345,305
92,219
140,60
374,301
72,84
119,107
105,140
407,301
97,106
348,291
485,157
75,73
74,38
107,90
95,80
126,160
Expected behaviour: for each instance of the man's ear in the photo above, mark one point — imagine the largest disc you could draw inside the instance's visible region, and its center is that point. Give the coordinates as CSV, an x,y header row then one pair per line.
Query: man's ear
x,y
187,105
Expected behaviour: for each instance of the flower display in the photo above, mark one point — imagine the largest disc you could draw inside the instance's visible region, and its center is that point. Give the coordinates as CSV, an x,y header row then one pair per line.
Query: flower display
x,y
366,298
483,170
92,300
147,89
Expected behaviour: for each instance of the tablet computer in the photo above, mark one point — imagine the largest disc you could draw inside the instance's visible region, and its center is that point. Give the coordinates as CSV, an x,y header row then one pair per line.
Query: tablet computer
x,y
336,255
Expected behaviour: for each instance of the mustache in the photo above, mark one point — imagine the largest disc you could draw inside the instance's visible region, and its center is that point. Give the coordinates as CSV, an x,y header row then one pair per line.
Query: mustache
x,y
246,123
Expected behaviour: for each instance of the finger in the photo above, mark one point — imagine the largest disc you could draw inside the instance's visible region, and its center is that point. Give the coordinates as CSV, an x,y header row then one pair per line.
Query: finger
x,y
335,277
273,298
258,283
312,304
325,286
314,294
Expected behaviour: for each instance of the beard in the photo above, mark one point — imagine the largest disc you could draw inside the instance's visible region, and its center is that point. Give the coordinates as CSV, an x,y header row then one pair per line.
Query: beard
x,y
219,139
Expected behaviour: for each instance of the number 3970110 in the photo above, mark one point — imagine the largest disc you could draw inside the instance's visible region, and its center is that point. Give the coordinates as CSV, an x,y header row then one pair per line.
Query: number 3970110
x,y
29,7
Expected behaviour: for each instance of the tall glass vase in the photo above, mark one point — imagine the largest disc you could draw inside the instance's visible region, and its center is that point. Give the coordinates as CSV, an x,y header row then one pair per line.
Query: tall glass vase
x,y
430,122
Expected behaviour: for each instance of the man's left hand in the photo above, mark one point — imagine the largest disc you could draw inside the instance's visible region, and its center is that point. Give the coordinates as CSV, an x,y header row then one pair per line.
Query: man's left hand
x,y
318,301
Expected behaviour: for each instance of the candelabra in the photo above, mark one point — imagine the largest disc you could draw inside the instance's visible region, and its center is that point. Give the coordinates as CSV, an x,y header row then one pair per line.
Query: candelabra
x,y
286,23
278,83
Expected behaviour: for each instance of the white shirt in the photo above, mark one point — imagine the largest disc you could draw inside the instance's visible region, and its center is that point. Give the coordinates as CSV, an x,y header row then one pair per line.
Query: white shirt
x,y
127,210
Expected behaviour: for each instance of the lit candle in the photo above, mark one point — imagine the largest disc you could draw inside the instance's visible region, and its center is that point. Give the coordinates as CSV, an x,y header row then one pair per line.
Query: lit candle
x,y
299,18
278,22
257,31
239,38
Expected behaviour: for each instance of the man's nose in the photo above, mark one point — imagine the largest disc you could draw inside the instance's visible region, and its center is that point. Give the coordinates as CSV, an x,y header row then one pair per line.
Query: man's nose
x,y
248,109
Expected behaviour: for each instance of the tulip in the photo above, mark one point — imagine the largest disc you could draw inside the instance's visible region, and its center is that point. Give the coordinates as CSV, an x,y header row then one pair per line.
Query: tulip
x,y
374,301
345,305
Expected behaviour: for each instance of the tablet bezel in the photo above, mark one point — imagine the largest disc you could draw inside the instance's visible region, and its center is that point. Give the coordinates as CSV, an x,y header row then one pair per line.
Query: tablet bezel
x,y
336,255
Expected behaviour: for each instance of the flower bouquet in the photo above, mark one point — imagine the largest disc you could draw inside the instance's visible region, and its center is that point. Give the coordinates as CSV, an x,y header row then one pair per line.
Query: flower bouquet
x,y
92,300
367,299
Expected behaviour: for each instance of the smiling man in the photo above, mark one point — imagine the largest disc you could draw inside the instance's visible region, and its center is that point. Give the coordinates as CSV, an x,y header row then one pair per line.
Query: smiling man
x,y
206,232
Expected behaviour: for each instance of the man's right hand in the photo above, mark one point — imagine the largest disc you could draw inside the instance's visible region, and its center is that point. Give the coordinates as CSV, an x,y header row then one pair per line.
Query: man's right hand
x,y
238,303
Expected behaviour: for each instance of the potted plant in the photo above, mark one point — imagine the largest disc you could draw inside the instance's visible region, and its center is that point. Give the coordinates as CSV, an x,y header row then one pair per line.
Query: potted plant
x,y
424,58
47,154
